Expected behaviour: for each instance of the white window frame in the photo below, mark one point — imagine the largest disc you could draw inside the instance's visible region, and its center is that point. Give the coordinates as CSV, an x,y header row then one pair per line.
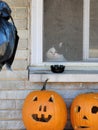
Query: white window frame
x,y
37,38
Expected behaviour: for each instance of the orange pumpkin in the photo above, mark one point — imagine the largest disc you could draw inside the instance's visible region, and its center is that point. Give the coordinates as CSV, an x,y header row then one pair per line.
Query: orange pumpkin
x,y
84,112
44,110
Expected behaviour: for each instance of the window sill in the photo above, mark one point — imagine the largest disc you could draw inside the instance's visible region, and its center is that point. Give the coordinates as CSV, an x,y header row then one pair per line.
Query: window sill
x,y
66,76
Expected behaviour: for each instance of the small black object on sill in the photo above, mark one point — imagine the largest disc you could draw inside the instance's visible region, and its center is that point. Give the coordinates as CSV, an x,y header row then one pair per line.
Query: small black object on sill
x,y
57,68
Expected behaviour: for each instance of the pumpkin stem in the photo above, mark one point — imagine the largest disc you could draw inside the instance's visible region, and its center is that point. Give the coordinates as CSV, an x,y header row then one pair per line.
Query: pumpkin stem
x,y
44,85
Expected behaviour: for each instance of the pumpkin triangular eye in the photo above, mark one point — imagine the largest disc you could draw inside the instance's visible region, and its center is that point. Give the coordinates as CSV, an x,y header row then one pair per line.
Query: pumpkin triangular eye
x,y
35,98
51,99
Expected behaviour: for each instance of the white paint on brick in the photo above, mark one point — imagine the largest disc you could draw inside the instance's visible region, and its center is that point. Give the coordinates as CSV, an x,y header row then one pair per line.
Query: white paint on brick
x,y
7,104
11,94
11,125
14,75
10,115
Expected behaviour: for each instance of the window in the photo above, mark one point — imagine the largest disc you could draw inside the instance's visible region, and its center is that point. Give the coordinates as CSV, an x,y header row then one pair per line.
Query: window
x,y
93,44
64,32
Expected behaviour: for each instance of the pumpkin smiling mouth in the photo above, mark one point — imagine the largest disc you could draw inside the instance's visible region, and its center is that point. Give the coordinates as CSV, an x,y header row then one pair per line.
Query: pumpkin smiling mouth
x,y
42,119
83,127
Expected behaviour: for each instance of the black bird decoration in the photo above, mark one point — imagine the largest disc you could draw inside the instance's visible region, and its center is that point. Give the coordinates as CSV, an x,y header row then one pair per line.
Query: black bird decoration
x,y
8,36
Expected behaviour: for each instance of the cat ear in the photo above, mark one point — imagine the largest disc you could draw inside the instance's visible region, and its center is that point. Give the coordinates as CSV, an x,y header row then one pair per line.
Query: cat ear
x,y
60,44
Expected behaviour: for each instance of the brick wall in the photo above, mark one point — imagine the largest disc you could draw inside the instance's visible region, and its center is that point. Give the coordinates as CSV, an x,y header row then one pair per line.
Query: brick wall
x,y
14,86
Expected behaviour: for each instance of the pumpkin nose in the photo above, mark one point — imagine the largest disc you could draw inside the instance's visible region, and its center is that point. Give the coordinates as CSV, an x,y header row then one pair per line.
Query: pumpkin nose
x,y
84,117
44,108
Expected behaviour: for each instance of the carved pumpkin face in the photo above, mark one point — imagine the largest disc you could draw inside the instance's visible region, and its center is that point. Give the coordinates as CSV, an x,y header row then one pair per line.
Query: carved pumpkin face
x,y
84,112
44,110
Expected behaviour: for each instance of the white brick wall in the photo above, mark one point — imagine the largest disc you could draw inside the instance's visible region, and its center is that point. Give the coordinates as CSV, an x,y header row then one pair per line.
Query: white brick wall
x,y
14,86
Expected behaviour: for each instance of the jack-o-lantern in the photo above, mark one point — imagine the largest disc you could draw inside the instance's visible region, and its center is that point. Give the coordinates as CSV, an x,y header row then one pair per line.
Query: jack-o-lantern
x,y
44,110
84,112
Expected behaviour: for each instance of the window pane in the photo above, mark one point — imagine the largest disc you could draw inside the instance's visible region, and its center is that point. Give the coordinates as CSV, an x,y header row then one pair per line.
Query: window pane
x,y
94,29
63,30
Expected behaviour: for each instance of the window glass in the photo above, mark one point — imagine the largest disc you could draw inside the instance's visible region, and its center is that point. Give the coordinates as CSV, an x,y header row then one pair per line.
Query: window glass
x,y
93,29
63,30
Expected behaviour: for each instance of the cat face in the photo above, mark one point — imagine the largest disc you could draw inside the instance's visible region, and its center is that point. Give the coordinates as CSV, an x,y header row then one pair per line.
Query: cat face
x,y
51,52
53,55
